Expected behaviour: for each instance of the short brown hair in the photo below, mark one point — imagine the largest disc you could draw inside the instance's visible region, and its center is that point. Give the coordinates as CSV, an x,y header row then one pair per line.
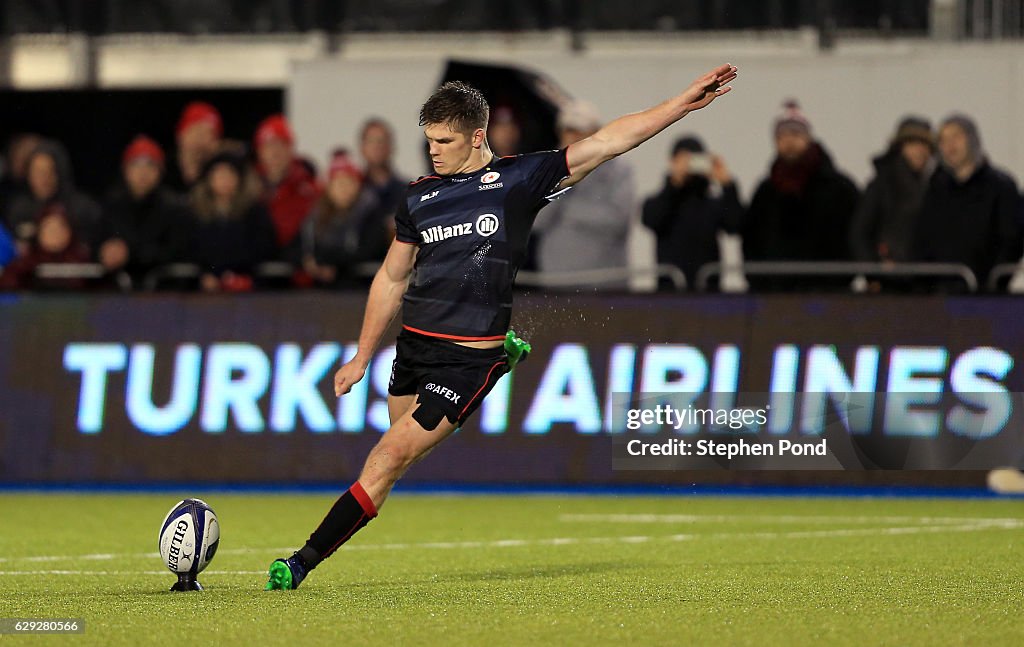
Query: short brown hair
x,y
458,104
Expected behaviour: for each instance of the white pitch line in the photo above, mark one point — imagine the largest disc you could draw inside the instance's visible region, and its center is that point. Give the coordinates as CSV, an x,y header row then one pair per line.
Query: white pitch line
x,y
582,518
863,532
978,525
726,518
163,573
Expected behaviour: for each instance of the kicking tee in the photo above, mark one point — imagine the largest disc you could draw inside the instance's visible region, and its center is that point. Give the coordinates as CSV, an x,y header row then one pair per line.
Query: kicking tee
x,y
472,230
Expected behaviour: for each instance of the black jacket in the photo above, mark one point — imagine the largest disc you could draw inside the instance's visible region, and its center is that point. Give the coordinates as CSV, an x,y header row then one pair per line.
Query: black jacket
x,y
686,221
808,223
883,227
235,244
25,210
972,222
156,229
344,241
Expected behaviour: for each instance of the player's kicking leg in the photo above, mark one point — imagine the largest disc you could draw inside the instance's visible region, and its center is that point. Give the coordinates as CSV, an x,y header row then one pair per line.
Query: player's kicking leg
x,y
435,386
405,443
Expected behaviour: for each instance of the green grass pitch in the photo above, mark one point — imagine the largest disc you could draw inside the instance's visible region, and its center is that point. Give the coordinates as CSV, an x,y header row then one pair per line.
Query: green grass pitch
x,y
531,570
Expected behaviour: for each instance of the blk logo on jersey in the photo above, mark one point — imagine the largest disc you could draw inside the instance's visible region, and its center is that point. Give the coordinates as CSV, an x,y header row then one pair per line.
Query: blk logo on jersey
x,y
428,196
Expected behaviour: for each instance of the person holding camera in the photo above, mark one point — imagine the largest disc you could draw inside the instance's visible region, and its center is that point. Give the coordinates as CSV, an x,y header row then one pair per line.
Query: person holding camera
x,y
699,200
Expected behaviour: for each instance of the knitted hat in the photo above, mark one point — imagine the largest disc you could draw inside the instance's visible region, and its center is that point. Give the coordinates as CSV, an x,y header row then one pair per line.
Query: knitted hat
x,y
143,147
342,164
200,112
914,129
792,119
274,127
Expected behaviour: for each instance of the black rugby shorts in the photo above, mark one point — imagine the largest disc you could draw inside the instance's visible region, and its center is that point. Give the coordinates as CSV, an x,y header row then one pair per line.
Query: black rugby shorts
x,y
447,377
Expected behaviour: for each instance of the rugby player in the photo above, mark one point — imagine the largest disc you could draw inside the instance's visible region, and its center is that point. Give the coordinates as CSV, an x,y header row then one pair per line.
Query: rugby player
x,y
461,237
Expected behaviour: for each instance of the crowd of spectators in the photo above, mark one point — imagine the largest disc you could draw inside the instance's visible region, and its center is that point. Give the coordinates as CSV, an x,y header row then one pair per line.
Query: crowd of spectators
x,y
214,214
223,215
934,198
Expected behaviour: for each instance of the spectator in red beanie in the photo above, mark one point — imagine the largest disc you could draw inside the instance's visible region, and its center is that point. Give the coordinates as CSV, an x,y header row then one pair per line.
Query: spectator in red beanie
x,y
290,186
344,229
199,133
145,224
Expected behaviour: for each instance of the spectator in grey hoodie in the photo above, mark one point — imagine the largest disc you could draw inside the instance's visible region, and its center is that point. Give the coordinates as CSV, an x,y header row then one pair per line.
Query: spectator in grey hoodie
x,y
587,228
969,214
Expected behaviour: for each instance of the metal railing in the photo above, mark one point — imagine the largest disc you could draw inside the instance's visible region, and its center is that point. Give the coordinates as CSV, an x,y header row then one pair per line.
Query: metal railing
x,y
279,271
840,269
604,277
608,277
1012,271
989,19
81,271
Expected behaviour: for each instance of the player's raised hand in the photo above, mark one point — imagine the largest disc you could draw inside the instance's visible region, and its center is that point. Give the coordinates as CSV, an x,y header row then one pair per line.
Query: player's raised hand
x,y
709,87
347,376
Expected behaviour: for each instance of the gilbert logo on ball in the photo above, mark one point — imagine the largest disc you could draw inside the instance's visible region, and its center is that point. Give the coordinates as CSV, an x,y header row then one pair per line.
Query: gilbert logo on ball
x,y
189,536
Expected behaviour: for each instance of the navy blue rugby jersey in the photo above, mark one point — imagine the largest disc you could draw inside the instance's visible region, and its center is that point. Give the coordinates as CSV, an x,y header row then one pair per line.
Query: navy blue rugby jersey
x,y
472,230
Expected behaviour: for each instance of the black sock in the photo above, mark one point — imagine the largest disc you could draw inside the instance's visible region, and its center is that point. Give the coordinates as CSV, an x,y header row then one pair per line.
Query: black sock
x,y
351,512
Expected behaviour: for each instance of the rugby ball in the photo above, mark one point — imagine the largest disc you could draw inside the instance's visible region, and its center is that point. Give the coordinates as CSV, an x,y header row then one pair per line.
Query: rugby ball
x,y
189,537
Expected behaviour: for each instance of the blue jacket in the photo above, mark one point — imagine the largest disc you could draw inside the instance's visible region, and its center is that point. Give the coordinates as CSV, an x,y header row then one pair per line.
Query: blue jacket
x,y
6,247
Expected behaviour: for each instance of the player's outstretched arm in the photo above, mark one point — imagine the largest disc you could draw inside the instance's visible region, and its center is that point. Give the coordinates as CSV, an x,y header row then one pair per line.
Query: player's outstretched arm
x,y
386,291
629,131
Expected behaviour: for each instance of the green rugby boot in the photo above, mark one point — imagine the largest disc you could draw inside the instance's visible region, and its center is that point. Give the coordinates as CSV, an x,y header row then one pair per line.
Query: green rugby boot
x,y
516,348
285,574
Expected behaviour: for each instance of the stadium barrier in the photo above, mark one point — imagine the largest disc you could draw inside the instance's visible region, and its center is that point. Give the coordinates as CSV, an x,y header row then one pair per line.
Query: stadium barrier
x,y
610,276
279,274
822,269
237,388
1012,271
58,273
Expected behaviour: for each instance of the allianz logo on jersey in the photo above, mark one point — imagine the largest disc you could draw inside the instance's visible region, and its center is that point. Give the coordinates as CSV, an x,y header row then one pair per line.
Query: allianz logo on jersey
x,y
485,225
